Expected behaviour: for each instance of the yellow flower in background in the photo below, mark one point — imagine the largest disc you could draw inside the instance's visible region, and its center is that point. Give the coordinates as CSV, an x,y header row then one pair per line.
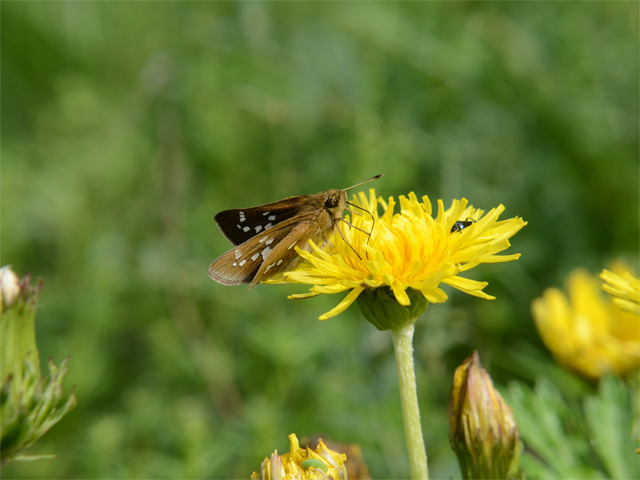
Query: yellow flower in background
x,y
623,287
584,332
303,464
406,250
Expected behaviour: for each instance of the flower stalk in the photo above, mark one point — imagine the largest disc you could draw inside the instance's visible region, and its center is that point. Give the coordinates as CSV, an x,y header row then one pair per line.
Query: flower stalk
x,y
403,348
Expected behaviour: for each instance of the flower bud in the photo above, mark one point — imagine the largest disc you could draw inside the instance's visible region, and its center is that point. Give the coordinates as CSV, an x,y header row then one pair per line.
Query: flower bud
x,y
9,287
483,430
381,308
30,403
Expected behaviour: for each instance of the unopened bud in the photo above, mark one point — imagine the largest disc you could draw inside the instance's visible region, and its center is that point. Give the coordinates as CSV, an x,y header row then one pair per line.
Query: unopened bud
x,y
483,430
9,287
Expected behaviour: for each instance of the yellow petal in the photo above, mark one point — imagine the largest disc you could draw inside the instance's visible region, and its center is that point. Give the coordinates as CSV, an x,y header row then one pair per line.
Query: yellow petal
x,y
299,296
344,304
400,294
469,286
499,258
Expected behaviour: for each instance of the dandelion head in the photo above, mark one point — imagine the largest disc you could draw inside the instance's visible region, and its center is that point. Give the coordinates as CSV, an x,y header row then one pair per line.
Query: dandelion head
x,y
408,254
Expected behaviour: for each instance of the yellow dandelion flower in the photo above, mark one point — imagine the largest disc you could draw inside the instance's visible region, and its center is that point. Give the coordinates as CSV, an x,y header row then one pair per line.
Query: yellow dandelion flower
x,y
406,251
623,287
584,332
303,464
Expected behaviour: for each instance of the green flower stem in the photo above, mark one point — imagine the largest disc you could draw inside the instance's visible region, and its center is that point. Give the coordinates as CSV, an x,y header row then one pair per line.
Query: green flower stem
x,y
403,347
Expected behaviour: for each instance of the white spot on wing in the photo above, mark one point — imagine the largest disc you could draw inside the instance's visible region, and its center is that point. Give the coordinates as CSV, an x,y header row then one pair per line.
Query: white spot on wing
x,y
266,252
269,242
279,262
235,264
265,270
268,226
258,228
263,239
246,229
238,254
255,255
292,245
266,213
272,218
242,262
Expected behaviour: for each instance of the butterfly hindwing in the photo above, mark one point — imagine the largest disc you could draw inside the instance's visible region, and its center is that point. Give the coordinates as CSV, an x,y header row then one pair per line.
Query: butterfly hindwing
x,y
242,263
227,270
284,256
241,224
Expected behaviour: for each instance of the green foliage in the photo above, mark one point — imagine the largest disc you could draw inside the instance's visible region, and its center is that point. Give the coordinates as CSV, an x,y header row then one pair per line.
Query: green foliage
x,y
30,405
609,417
126,126
564,440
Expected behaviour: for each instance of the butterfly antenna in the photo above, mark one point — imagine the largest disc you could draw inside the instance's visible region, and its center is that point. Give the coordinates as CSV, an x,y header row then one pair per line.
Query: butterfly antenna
x,y
370,180
373,220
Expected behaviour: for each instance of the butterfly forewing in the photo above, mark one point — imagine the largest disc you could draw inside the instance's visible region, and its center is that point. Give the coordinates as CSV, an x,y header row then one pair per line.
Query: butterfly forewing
x,y
241,224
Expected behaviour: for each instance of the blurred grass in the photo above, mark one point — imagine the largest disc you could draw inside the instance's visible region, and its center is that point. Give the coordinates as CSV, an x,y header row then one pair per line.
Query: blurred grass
x,y
127,125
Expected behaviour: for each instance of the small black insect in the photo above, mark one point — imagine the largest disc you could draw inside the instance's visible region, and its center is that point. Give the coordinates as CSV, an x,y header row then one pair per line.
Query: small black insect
x,y
461,224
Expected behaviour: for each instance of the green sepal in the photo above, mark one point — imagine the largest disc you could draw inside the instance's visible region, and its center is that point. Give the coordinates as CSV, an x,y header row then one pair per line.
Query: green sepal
x,y
380,307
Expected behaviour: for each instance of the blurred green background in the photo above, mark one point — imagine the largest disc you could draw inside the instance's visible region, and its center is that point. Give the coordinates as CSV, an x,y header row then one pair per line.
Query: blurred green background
x,y
127,125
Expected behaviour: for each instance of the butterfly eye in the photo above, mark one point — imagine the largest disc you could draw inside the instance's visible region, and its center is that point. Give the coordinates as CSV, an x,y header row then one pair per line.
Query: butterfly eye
x,y
331,202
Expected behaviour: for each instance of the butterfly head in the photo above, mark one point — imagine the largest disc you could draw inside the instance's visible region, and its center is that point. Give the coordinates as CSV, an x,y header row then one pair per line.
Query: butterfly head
x,y
335,201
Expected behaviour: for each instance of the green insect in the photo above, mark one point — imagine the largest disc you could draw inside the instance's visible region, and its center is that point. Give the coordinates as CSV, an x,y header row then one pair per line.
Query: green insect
x,y
313,463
